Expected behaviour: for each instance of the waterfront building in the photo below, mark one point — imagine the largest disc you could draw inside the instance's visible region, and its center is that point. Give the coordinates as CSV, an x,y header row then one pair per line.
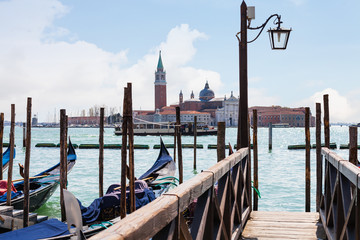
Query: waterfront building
x,y
228,113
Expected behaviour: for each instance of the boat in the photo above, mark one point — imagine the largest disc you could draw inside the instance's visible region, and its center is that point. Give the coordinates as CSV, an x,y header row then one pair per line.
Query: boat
x,y
6,158
42,185
155,181
145,128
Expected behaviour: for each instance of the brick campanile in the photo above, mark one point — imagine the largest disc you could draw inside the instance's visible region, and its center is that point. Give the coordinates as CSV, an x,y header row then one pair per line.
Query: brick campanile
x,y
160,85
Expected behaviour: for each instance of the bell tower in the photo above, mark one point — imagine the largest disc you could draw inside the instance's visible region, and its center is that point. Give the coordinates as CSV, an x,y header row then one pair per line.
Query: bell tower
x,y
160,85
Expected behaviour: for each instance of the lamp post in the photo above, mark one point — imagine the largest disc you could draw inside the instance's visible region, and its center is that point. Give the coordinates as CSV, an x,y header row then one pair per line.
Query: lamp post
x,y
278,39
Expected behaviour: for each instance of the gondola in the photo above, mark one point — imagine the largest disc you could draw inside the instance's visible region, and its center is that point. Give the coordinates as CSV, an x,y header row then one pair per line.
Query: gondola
x,y
157,180
6,158
42,185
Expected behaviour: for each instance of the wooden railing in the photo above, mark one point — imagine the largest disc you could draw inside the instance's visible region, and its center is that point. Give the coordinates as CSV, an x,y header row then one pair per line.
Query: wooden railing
x,y
340,201
223,205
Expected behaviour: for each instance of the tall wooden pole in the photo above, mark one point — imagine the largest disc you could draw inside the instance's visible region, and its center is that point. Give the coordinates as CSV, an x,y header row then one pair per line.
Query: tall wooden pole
x,y
63,162
242,136
318,157
27,165
123,157
353,151
101,153
195,135
326,121
1,143
307,159
11,159
220,141
255,151
180,163
131,149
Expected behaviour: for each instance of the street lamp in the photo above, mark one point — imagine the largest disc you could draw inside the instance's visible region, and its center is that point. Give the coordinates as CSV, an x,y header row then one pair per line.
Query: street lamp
x,y
278,39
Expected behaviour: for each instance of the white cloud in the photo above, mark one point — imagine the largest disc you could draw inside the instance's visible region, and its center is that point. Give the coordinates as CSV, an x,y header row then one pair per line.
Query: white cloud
x,y
341,108
77,75
258,97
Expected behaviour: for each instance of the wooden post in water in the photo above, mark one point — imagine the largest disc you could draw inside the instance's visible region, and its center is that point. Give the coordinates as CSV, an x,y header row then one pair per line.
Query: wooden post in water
x,y
63,162
326,121
270,136
353,151
27,165
123,157
195,135
180,163
318,157
255,151
101,153
307,159
1,144
220,141
11,159
175,136
66,147
24,135
131,149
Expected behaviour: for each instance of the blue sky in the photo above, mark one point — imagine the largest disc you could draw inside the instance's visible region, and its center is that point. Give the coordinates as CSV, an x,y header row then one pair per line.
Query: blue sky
x,y
75,54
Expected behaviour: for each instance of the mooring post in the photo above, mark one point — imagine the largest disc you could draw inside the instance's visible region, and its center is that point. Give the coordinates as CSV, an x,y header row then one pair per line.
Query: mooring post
x,y
63,162
307,159
318,157
180,163
195,135
66,147
11,159
101,153
27,165
255,151
24,135
1,144
175,136
270,136
131,149
353,150
326,121
220,141
123,156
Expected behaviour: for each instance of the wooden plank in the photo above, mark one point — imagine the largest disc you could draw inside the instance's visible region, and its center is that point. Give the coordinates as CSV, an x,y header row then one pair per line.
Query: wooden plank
x,y
286,225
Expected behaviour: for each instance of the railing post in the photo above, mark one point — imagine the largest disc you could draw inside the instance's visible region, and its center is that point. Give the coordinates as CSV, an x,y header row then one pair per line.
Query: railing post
x,y
307,160
221,141
318,156
353,151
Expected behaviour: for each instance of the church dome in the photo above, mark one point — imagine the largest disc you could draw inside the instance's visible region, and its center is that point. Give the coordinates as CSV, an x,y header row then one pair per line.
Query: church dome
x,y
206,94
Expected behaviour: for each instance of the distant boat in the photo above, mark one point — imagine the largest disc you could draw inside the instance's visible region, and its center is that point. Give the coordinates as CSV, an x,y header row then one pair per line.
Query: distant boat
x,y
6,158
168,128
42,185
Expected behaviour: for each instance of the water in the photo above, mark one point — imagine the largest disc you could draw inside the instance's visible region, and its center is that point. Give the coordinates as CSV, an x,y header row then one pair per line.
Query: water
x,y
281,171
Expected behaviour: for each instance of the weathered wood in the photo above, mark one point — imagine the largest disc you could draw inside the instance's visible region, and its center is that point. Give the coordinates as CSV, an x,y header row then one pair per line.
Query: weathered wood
x,y
150,219
307,159
326,121
101,153
178,139
242,136
24,135
1,143
195,136
221,141
255,152
11,159
283,225
63,162
27,165
318,156
175,136
124,156
270,136
131,149
353,151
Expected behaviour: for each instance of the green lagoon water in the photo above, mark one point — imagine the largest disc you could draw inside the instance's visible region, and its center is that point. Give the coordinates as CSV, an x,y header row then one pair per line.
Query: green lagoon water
x,y
281,171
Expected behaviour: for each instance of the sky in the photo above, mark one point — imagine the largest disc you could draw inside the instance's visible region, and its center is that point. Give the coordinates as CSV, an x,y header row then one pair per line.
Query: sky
x,y
76,54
